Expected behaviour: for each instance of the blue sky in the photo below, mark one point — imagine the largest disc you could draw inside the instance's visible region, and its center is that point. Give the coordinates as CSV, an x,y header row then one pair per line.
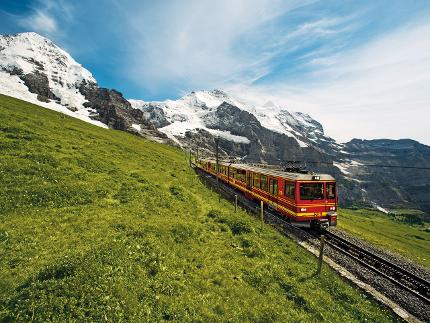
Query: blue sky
x,y
359,67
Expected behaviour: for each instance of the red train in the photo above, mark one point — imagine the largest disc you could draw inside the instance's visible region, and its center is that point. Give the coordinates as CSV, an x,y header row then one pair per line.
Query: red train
x,y
307,199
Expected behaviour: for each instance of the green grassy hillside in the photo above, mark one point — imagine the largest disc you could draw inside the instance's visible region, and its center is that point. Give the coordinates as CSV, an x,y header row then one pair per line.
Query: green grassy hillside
x,y
99,225
409,240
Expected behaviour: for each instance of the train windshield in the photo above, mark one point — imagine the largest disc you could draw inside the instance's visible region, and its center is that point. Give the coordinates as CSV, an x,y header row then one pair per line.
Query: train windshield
x,y
311,191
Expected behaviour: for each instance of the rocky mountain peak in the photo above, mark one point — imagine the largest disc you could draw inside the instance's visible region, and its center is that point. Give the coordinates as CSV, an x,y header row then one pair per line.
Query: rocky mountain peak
x,y
198,109
44,68
219,93
30,52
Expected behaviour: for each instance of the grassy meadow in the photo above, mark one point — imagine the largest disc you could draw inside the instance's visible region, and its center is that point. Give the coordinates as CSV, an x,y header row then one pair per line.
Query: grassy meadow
x,y
409,240
101,225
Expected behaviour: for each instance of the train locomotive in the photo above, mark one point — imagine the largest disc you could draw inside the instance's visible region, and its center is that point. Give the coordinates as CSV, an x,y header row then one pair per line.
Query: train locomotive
x,y
306,199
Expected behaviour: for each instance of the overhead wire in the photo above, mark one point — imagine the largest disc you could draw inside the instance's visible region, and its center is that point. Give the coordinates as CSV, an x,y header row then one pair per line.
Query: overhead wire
x,y
332,164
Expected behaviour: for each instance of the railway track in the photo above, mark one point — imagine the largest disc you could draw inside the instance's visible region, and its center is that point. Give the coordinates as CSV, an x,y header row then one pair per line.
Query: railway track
x,y
397,275
402,278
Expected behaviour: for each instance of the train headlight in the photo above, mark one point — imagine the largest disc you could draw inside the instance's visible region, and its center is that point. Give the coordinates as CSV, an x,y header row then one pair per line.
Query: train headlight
x,y
332,208
303,209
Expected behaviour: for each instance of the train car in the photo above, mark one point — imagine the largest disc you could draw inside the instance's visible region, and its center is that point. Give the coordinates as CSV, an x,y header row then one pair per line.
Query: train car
x,y
306,199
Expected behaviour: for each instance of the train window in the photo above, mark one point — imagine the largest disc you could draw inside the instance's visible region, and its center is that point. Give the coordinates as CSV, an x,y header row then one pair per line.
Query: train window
x,y
331,190
257,180
311,191
290,190
241,175
273,186
249,179
263,182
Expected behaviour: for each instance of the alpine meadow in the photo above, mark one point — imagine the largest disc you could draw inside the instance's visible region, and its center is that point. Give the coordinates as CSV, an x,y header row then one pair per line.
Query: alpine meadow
x,y
102,225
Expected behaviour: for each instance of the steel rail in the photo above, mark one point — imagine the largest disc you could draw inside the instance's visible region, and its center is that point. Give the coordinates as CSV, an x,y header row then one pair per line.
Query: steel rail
x,y
398,275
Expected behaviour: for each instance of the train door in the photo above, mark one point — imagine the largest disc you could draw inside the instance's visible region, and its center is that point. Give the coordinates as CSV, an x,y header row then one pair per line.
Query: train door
x,y
249,180
273,190
326,208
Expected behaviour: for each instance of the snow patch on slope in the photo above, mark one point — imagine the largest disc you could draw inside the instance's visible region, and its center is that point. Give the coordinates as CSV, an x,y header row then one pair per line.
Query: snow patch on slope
x,y
136,127
229,136
380,208
347,166
342,167
13,86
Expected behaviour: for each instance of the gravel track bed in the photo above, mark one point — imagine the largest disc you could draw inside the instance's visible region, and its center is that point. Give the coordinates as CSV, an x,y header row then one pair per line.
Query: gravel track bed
x,y
399,260
406,300
403,298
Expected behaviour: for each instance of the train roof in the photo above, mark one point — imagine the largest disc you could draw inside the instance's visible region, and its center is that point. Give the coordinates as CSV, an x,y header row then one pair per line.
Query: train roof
x,y
273,171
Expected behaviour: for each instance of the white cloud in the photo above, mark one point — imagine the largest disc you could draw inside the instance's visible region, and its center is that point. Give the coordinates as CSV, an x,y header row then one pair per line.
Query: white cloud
x,y
46,17
39,21
195,43
381,90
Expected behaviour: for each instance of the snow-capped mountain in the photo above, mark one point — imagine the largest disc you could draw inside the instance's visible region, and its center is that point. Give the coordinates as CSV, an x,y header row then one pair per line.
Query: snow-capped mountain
x,y
195,111
177,117
34,69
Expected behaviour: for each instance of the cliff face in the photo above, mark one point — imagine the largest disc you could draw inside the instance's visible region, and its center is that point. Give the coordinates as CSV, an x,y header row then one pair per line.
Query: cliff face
x,y
392,186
